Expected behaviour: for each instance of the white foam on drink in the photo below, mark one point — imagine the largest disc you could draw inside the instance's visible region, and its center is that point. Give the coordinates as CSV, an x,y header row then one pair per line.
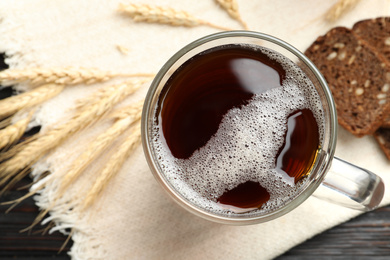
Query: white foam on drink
x,y
245,146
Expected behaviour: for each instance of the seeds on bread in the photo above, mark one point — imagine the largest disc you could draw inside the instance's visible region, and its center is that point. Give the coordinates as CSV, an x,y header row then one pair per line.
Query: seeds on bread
x,y
357,77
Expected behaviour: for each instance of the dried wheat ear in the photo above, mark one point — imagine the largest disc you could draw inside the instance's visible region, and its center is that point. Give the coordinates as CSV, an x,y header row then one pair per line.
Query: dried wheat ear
x,y
132,132
36,96
63,76
231,7
13,132
164,15
338,9
94,149
88,111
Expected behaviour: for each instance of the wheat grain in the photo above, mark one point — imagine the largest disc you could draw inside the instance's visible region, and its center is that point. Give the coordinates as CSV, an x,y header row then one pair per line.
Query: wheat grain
x,y
114,165
123,49
163,15
339,9
87,112
5,122
231,7
12,133
132,111
30,98
66,76
96,148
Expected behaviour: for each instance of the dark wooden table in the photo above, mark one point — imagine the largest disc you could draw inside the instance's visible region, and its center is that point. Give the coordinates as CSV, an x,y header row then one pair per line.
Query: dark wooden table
x,y
15,244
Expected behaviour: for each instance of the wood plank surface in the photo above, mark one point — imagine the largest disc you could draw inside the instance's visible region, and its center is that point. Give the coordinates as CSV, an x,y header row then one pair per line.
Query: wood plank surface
x,y
365,237
15,244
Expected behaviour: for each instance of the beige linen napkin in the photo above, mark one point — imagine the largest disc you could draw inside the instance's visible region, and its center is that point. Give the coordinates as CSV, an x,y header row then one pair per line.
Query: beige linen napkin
x,y
133,219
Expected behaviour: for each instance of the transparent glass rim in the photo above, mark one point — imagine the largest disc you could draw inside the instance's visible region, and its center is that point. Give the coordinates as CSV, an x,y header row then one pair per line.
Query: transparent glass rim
x,y
322,164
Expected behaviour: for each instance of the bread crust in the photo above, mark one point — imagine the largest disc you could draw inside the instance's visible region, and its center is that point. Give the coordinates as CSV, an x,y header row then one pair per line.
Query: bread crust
x,y
382,135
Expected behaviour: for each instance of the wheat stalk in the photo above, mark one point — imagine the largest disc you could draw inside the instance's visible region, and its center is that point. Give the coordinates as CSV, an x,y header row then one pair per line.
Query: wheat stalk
x,y
339,8
87,112
66,76
231,7
114,165
27,99
163,15
98,146
12,133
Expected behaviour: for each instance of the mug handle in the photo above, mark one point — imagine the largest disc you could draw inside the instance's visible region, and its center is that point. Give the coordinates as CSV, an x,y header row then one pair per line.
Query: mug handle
x,y
351,186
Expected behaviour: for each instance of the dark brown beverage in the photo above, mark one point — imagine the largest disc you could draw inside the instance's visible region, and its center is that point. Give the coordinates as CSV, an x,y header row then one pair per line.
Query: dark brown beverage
x,y
236,115
199,94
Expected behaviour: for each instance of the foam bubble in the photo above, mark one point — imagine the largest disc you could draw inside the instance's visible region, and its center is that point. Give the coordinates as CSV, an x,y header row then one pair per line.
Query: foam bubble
x,y
245,146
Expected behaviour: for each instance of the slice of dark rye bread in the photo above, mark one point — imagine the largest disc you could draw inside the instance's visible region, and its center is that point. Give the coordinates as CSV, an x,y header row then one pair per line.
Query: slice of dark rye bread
x,y
382,135
357,78
375,32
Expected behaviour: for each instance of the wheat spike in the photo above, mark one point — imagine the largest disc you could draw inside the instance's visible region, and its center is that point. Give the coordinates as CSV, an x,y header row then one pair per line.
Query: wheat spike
x,y
87,112
231,7
11,105
163,15
98,146
121,154
66,76
12,133
114,165
339,9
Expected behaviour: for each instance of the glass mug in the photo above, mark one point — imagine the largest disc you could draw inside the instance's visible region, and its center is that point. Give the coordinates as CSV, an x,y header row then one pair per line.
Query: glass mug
x,y
333,179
